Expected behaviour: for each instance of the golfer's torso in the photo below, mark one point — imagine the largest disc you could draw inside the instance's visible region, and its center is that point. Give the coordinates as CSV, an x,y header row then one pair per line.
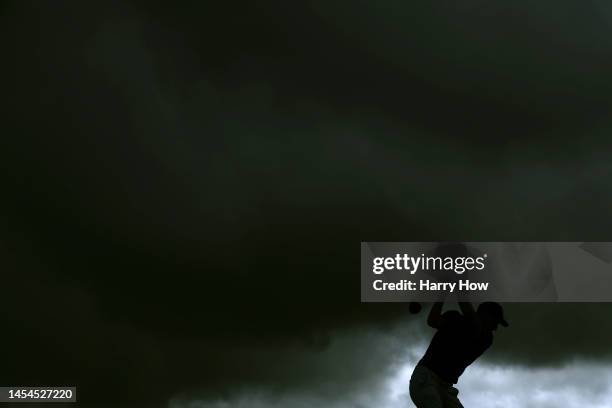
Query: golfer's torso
x,y
455,347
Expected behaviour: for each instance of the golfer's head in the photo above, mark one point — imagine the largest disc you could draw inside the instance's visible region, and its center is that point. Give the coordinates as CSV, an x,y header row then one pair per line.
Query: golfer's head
x,y
492,315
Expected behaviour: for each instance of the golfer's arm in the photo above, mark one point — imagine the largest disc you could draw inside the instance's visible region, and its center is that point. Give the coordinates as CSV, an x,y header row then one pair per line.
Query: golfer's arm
x,y
468,311
435,315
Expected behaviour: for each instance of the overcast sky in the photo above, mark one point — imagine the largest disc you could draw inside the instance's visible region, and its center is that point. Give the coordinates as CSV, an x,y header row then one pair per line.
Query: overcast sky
x,y
186,186
574,383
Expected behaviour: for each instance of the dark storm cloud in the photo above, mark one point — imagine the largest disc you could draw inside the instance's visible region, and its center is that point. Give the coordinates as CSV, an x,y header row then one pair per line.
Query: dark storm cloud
x,y
190,184
549,334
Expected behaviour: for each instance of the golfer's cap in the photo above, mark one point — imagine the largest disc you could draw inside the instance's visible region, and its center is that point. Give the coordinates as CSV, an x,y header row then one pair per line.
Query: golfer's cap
x,y
495,310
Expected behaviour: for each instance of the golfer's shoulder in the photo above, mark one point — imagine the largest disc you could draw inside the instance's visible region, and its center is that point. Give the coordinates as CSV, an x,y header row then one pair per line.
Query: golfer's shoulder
x,y
452,317
452,314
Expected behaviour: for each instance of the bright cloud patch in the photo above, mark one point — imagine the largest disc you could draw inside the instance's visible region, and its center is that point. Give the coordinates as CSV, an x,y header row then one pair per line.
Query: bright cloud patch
x,y
573,385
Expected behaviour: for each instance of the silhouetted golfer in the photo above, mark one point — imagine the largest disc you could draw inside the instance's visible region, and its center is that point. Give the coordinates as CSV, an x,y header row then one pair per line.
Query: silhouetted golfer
x,y
461,338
